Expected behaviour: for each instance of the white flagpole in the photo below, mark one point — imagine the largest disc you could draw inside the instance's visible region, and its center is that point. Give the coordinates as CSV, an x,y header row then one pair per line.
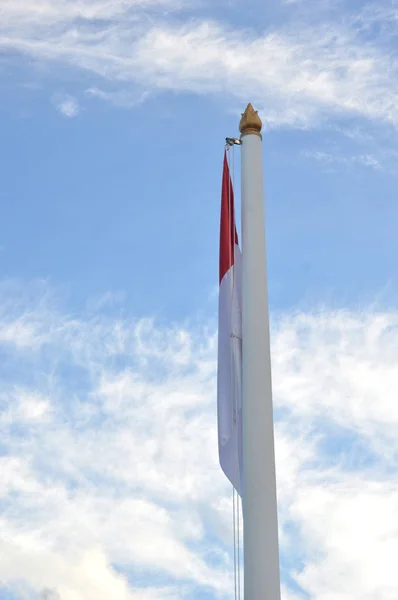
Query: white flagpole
x,y
260,522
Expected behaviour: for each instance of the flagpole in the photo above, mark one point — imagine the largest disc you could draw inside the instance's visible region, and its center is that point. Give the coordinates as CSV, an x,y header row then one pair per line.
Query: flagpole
x,y
260,530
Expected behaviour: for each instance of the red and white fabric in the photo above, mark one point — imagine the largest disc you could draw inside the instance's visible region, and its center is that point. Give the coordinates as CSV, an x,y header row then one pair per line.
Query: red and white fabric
x,y
229,377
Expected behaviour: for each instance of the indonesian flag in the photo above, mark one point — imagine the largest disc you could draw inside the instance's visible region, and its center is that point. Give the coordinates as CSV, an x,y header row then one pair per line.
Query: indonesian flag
x,y
229,383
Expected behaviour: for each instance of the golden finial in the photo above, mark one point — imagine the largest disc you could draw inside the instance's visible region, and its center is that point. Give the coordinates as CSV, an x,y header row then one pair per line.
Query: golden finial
x,y
250,122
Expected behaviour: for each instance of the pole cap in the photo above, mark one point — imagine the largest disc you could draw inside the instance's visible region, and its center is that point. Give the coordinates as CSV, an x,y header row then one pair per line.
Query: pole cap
x,y
250,122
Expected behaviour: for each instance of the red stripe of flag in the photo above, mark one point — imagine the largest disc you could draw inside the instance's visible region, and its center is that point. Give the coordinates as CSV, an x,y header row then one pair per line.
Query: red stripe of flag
x,y
228,233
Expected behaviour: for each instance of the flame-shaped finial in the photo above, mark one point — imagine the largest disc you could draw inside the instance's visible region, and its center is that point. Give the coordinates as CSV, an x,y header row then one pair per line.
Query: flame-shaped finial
x,y
250,122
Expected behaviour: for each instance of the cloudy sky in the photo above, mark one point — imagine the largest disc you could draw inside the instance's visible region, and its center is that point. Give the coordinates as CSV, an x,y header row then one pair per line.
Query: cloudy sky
x,y
113,120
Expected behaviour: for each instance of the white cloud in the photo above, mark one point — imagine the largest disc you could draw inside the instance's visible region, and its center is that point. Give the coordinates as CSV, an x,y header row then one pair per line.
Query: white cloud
x,y
24,407
67,105
120,98
109,476
331,159
53,12
354,547
298,73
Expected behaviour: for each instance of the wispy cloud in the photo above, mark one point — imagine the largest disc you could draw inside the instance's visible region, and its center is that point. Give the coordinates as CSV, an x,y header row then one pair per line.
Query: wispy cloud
x,y
296,72
120,98
109,473
331,159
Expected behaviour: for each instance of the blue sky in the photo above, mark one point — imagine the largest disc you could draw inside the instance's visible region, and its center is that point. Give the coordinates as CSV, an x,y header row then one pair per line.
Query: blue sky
x,y
114,117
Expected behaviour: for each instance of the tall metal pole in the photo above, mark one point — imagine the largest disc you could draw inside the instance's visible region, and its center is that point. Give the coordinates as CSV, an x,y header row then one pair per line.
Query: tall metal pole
x,y
260,522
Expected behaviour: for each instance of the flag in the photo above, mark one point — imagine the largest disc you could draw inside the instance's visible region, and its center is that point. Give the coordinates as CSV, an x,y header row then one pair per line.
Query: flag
x,y
229,376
